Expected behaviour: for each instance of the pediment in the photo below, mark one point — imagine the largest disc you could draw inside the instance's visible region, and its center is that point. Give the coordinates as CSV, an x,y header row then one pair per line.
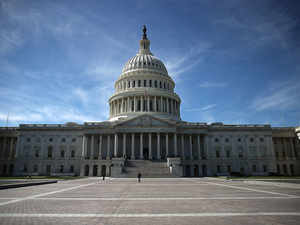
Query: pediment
x,y
146,121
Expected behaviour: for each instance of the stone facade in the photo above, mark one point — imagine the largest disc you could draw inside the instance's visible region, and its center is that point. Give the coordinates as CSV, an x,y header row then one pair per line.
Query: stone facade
x,y
145,134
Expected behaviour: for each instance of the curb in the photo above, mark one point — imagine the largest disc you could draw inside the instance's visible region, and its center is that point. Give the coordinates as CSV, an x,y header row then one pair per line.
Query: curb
x,y
7,186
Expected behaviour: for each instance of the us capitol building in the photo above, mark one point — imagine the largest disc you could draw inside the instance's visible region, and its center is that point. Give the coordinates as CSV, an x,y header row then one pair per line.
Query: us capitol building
x,y
145,133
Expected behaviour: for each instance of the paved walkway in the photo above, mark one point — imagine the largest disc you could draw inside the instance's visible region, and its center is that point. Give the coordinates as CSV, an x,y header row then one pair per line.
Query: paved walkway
x,y
153,201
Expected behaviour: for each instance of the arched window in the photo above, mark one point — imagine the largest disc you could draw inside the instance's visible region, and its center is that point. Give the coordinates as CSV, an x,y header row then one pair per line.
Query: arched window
x,y
128,83
164,85
145,83
133,84
72,154
160,84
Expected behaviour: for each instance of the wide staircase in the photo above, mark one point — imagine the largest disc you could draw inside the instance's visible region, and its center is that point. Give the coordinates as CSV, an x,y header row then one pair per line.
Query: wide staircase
x,y
147,168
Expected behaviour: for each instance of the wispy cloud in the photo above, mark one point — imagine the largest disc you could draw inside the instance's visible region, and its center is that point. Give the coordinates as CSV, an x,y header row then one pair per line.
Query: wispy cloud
x,y
209,84
183,62
284,96
204,108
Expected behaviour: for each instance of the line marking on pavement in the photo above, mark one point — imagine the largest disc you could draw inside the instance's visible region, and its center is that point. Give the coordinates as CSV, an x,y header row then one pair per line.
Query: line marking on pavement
x,y
44,194
251,189
164,199
228,214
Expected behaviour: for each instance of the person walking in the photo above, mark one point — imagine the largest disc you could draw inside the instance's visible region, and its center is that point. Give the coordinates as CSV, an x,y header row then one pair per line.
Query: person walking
x,y
139,177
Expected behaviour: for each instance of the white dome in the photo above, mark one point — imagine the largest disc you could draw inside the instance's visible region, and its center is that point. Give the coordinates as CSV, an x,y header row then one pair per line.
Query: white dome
x,y
145,61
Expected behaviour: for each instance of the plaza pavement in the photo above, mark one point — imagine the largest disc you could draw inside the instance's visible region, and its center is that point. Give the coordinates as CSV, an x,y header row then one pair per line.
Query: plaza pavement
x,y
153,201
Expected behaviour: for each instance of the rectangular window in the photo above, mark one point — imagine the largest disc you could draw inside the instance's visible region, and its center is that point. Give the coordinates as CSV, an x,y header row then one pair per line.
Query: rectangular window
x,y
254,168
229,169
150,83
139,83
218,169
265,168
217,154
145,83
228,154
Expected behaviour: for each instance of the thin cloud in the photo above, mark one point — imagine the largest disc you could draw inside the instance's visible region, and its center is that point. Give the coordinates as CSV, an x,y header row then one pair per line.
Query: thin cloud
x,y
284,97
209,84
204,108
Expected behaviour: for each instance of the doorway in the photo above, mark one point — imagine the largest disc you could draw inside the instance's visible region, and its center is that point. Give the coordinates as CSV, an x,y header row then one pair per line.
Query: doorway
x,y
146,153
95,170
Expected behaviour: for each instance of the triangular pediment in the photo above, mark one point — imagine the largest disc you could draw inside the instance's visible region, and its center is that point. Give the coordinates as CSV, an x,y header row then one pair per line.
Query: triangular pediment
x,y
146,121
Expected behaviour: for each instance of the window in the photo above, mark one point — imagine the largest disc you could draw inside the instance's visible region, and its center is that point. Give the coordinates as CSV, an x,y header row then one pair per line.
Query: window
x,y
37,153
28,140
226,140
145,83
218,154
25,168
139,83
284,169
228,154
254,168
73,139
50,139
72,154
274,141
160,84
251,139
50,152
71,169
38,140
164,85
63,140
128,84
35,168
155,83
261,139
239,140
229,169
265,169
133,84
62,153
61,169
216,140
150,83
218,169
278,168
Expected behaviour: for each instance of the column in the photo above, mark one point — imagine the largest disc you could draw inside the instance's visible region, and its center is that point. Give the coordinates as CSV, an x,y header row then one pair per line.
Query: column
x,y
161,104
84,146
124,144
167,145
92,147
116,146
168,108
4,147
122,105
155,105
11,150
100,146
292,147
150,149
141,146
175,145
158,145
134,104
108,147
132,147
191,147
198,146
128,105
142,104
182,146
18,147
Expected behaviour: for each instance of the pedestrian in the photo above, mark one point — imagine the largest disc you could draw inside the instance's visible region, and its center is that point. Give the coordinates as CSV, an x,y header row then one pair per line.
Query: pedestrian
x,y
103,177
139,177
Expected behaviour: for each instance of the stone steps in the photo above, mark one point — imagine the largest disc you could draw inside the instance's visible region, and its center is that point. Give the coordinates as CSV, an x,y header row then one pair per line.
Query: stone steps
x,y
147,168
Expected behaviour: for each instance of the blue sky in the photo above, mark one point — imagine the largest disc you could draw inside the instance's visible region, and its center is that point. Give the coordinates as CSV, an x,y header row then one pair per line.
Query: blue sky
x,y
233,61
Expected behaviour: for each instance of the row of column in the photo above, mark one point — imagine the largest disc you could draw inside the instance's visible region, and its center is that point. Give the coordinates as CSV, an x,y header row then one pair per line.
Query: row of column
x,y
149,147
144,104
